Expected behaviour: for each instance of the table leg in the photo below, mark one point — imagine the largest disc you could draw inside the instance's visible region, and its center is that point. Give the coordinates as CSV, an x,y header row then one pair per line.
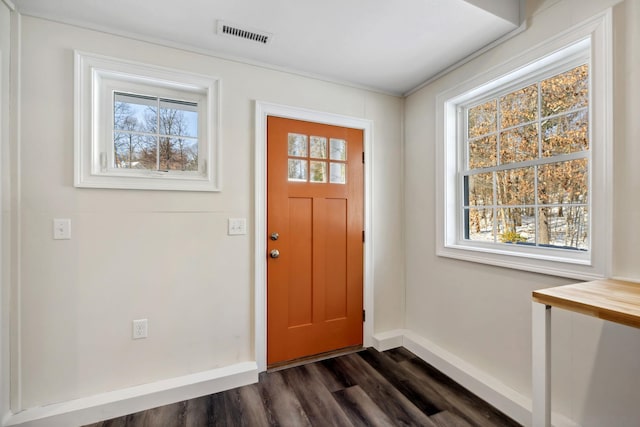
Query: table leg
x,y
541,364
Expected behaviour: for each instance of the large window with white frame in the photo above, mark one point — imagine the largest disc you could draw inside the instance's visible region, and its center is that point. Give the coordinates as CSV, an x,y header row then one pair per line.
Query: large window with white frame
x,y
144,127
524,160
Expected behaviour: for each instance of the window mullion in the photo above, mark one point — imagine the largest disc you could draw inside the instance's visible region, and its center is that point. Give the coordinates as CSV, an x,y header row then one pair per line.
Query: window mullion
x,y
462,125
495,206
558,158
495,173
536,209
158,134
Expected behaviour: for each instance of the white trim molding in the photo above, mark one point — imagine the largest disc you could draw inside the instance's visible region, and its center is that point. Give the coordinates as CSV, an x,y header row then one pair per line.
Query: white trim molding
x,y
10,5
118,403
388,340
12,261
262,111
5,137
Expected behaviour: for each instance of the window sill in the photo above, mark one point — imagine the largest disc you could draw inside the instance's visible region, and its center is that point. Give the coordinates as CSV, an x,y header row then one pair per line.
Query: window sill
x,y
151,181
581,269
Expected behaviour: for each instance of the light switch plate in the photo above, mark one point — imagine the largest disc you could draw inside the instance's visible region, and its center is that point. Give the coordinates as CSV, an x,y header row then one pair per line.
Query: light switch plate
x,y
237,226
61,229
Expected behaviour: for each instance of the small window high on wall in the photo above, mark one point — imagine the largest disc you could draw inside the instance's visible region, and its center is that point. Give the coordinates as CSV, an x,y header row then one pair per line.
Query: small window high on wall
x,y
144,127
524,154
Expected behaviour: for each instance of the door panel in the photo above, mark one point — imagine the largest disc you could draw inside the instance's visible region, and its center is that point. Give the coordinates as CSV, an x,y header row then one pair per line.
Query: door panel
x,y
336,259
315,204
299,259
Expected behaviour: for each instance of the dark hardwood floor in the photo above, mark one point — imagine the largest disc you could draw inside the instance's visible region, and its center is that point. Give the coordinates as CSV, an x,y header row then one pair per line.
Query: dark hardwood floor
x,y
367,388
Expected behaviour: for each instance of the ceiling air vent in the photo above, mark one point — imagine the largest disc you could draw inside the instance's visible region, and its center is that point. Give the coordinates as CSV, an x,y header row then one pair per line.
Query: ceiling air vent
x,y
235,31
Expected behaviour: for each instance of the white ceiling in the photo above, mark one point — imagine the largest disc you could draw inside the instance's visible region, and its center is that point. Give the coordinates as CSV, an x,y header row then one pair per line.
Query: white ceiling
x,y
390,46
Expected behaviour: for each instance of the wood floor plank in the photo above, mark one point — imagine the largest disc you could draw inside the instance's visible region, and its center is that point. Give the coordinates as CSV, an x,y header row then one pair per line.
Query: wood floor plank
x,y
329,378
115,422
400,354
221,408
425,388
197,412
281,402
336,375
254,410
401,380
448,419
165,416
459,400
316,400
393,403
139,419
360,408
239,407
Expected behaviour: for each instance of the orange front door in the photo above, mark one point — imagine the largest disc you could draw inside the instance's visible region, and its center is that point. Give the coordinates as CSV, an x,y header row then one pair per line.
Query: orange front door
x,y
314,238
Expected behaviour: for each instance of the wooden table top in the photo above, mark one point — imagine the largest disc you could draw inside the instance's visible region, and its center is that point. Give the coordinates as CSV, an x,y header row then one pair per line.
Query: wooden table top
x,y
614,300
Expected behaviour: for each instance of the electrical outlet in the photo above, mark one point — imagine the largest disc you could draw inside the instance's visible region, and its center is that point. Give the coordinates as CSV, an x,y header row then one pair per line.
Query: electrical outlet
x,y
140,329
237,226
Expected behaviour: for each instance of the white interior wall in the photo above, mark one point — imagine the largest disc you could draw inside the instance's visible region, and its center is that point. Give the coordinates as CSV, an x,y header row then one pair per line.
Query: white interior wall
x,y
159,255
482,314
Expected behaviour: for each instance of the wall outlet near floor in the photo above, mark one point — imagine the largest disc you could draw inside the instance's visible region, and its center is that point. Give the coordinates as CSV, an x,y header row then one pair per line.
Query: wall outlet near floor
x,y
140,329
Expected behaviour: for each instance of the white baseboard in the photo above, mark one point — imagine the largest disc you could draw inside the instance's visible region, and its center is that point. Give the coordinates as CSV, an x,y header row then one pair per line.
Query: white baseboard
x,y
488,388
387,340
104,406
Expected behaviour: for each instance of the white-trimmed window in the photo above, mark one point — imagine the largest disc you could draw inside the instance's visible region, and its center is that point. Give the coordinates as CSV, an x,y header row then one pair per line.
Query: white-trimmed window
x,y
144,127
524,160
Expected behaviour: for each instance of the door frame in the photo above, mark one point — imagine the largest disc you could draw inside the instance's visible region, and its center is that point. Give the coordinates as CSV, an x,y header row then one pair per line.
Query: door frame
x,y
262,111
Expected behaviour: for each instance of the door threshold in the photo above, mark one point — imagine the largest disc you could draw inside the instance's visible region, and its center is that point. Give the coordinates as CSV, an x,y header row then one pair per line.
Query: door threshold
x,y
314,358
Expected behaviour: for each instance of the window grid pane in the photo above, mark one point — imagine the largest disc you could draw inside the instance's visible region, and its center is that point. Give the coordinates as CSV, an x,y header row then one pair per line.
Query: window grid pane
x,y
483,152
566,91
318,147
517,225
297,145
483,119
318,171
338,149
298,170
338,173
480,226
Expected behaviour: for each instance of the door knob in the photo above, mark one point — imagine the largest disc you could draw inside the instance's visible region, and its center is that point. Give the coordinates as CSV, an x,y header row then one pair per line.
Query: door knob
x,y
274,236
274,253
